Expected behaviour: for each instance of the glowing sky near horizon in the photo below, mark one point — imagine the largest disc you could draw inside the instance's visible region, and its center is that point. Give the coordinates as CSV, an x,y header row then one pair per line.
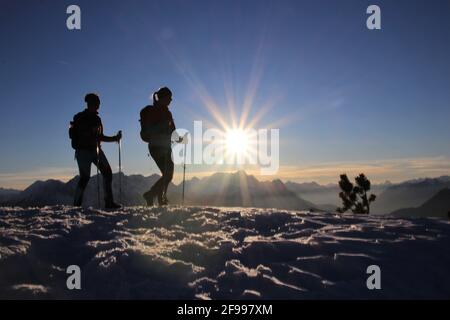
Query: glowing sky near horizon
x,y
345,99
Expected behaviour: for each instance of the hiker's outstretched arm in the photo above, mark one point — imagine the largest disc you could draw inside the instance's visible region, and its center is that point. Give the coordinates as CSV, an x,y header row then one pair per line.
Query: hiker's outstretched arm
x,y
104,138
115,138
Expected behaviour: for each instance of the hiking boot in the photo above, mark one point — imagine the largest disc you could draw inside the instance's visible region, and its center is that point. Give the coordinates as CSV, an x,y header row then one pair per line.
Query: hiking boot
x,y
149,196
162,200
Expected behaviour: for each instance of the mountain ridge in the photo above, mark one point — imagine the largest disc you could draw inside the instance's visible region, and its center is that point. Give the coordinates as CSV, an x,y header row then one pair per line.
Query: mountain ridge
x,y
220,189
439,204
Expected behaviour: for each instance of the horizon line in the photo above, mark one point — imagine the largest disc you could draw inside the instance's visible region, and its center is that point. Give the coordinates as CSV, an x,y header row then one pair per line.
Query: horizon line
x,y
65,180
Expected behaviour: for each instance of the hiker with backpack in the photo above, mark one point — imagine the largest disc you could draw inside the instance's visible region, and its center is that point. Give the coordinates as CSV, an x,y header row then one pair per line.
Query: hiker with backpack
x,y
157,125
86,133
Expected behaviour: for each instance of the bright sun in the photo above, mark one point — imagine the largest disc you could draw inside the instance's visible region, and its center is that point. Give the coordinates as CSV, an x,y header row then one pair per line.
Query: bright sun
x,y
236,141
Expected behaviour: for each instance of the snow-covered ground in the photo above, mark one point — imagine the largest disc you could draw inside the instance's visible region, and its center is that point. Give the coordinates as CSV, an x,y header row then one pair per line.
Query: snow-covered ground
x,y
219,253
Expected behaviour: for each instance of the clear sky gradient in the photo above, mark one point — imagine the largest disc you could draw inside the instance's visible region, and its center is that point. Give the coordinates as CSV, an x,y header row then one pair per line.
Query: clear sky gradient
x,y
345,98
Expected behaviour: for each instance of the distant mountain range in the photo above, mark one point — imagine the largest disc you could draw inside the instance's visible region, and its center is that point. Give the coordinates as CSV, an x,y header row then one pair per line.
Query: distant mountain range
x,y
241,189
52,192
439,205
326,196
391,198
422,197
6,194
219,189
409,194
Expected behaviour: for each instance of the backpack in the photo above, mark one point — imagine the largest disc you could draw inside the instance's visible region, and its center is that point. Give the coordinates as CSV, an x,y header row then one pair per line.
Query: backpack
x,y
82,130
73,134
74,130
145,125
156,125
149,128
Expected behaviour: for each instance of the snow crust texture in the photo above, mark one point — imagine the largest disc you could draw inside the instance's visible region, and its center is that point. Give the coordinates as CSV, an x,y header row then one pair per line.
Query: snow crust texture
x,y
219,253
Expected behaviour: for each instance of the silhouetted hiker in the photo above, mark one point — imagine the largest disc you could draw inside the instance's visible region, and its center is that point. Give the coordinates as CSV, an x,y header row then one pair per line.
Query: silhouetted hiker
x,y
86,132
157,126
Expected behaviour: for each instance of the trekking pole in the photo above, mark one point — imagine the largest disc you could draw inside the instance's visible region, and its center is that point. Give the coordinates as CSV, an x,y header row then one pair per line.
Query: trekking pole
x,y
184,173
184,141
98,177
120,168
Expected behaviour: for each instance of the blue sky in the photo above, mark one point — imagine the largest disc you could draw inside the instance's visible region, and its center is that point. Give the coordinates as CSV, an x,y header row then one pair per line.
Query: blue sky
x,y
344,98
